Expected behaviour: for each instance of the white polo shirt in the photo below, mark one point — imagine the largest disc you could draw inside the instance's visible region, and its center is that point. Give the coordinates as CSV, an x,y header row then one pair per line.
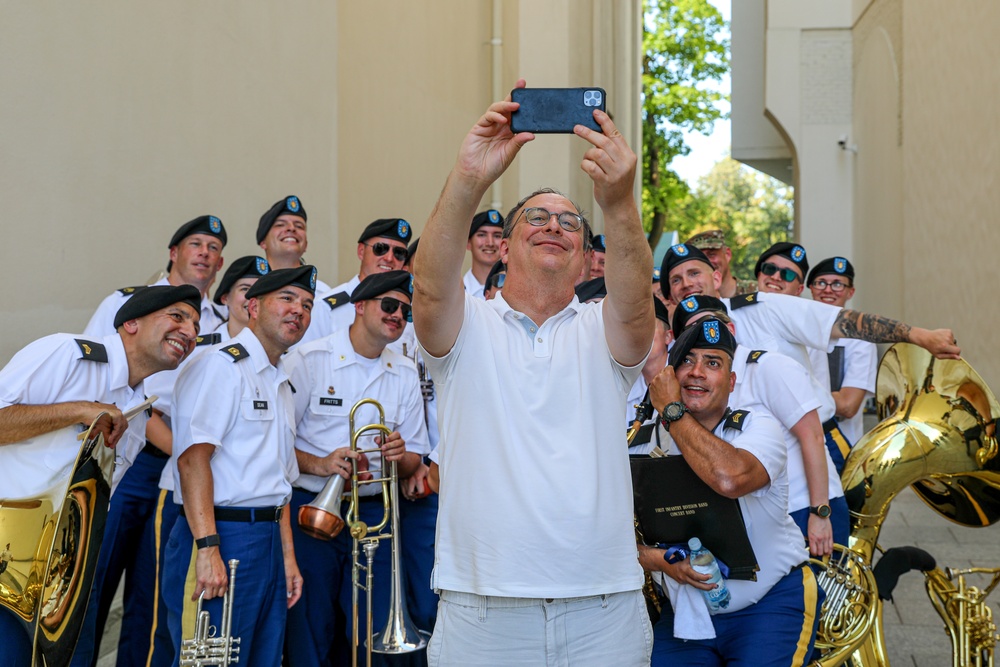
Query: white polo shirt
x,y
329,378
53,370
860,369
536,492
775,384
241,404
776,540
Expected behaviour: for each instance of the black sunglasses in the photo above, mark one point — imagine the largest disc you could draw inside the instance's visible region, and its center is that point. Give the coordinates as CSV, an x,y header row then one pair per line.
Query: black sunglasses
x,y
496,280
788,275
381,248
390,305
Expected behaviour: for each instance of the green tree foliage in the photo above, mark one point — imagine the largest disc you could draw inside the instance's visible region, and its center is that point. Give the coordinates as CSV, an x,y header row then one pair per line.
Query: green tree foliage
x,y
685,49
753,209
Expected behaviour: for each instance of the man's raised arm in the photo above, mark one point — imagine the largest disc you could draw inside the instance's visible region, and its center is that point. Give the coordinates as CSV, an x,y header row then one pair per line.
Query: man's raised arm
x,y
628,308
438,295
877,329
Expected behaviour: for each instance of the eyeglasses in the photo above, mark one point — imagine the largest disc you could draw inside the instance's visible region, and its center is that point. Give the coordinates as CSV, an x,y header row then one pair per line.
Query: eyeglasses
x,y
539,217
836,285
788,275
390,306
380,248
496,280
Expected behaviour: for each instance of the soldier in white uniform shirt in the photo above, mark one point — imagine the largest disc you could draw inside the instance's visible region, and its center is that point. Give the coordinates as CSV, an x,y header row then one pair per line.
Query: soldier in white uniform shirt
x,y
740,454
773,382
195,258
381,248
851,365
330,375
484,246
234,436
231,292
64,379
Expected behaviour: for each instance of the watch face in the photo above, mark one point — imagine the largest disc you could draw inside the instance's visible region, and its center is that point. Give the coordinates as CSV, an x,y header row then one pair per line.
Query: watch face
x,y
823,511
674,411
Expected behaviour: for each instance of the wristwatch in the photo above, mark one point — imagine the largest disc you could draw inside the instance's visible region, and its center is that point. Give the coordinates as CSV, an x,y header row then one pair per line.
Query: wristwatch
x,y
208,541
822,511
671,413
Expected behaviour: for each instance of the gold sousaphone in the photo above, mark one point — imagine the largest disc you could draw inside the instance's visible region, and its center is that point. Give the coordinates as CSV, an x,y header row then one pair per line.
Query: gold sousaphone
x,y
937,434
55,538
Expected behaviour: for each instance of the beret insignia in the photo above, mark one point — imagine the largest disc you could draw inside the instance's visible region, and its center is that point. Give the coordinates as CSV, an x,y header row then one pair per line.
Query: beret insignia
x,y
839,264
797,253
711,329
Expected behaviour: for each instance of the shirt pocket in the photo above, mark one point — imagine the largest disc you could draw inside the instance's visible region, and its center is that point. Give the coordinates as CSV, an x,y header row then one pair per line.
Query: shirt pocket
x,y
329,406
257,409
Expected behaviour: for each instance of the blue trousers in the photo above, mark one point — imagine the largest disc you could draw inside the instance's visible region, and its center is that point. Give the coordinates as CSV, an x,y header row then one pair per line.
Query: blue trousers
x,y
260,599
128,528
418,525
837,444
778,631
161,651
15,646
840,520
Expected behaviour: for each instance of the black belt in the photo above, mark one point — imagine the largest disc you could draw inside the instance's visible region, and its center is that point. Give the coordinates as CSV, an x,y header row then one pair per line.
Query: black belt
x,y
363,499
153,450
247,514
830,424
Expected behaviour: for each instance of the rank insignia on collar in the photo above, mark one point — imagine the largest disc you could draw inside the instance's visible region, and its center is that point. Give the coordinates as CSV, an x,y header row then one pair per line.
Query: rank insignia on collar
x,y
743,300
736,419
236,351
337,300
92,351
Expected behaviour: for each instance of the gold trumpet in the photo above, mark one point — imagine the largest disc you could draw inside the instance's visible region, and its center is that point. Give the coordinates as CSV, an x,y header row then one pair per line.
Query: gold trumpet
x,y
966,616
208,648
938,434
399,635
53,540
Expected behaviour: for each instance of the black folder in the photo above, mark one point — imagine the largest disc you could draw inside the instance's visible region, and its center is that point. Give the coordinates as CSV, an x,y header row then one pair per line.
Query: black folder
x,y
673,504
838,368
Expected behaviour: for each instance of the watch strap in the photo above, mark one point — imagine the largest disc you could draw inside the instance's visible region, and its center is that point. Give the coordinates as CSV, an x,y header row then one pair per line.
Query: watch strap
x,y
208,541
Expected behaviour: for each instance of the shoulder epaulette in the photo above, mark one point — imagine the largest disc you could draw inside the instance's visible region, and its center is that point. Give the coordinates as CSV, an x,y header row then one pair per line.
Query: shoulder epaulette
x,y
208,339
92,351
742,300
128,291
736,419
236,351
337,300
755,356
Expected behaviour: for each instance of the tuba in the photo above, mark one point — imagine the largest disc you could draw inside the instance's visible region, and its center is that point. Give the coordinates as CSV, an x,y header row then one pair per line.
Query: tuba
x,y
399,634
938,435
55,538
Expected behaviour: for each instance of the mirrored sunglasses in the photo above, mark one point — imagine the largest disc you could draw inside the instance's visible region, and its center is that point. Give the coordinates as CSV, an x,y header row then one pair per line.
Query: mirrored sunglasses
x,y
769,269
390,305
380,248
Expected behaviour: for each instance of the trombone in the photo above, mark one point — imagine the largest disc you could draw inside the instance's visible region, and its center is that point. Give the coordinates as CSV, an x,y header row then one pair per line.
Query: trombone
x,y
320,519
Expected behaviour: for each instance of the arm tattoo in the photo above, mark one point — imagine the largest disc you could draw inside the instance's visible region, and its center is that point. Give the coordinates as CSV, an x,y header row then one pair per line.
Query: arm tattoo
x,y
872,328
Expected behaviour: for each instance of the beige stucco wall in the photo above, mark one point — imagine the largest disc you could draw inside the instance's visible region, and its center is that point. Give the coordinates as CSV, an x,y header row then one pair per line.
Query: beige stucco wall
x,y
951,173
913,198
118,125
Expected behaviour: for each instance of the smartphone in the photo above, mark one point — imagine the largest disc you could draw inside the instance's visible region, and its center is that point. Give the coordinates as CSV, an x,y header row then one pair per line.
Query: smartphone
x,y
555,110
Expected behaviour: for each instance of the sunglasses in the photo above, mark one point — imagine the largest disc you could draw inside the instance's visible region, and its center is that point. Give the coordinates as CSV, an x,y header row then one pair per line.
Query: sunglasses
x,y
380,248
788,275
836,285
390,306
496,280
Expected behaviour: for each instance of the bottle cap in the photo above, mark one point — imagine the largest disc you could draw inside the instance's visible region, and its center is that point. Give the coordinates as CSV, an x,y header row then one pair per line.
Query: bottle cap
x,y
694,544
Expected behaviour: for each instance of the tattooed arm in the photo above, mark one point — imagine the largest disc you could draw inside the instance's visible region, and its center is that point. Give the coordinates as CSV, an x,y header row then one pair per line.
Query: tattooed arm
x,y
877,329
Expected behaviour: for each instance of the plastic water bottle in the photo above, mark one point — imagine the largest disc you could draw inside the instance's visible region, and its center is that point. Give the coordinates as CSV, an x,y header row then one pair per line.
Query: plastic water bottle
x,y
704,562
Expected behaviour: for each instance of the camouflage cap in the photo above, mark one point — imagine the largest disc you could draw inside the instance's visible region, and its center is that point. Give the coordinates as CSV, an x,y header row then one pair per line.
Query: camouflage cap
x,y
712,239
